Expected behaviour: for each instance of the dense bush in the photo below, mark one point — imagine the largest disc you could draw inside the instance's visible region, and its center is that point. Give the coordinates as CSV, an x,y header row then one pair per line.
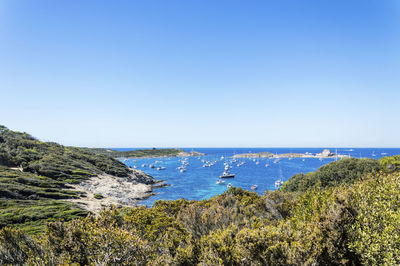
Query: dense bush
x,y
390,163
344,171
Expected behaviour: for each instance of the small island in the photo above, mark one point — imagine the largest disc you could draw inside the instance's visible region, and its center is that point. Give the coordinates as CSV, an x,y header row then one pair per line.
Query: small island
x,y
326,153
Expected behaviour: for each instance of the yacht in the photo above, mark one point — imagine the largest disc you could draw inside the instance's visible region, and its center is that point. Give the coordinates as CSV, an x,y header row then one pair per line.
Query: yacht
x,y
161,168
226,174
220,182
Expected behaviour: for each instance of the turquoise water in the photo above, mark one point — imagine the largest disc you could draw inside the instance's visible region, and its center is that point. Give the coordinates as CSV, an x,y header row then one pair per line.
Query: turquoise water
x,y
199,182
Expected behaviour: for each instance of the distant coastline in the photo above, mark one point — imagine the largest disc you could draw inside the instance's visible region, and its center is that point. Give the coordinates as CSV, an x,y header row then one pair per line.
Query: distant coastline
x,y
180,154
325,154
144,153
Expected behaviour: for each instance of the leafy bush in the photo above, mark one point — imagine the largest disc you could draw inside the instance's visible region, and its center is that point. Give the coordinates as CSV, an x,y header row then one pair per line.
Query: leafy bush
x,y
390,163
344,171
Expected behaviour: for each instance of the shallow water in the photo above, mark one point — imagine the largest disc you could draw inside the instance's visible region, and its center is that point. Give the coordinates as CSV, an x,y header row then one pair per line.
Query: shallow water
x,y
199,182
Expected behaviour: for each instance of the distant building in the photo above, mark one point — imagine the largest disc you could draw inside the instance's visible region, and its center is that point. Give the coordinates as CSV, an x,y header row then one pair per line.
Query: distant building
x,y
325,153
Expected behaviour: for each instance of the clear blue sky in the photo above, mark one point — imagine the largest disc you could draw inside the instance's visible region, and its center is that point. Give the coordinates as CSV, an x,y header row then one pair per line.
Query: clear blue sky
x,y
202,73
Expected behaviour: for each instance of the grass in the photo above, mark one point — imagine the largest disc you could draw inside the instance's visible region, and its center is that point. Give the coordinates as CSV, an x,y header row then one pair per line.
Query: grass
x,y
31,215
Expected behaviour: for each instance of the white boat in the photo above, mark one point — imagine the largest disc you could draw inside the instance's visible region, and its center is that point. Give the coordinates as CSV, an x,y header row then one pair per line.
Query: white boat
x,y
226,174
267,165
257,163
152,166
144,165
276,161
253,187
182,170
161,168
278,183
220,182
229,185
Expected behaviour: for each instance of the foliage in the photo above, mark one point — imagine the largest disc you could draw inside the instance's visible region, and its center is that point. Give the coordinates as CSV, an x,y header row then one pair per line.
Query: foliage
x,y
136,153
390,163
356,224
97,196
376,230
344,171
54,160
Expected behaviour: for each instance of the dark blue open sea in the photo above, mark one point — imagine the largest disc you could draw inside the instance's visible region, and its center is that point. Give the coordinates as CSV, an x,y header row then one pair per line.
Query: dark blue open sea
x,y
199,182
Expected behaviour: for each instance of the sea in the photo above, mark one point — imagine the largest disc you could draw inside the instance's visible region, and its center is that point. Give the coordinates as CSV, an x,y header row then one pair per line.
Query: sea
x,y
199,182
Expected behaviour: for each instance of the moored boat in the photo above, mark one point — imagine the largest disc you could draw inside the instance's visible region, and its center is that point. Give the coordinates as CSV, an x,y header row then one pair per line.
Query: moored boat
x,y
226,174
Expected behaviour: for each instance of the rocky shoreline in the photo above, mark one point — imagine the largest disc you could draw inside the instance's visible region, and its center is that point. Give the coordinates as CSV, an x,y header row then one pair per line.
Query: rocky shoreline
x,y
105,190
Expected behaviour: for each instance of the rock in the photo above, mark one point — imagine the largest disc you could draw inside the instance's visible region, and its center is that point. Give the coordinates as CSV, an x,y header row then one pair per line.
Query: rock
x,y
141,177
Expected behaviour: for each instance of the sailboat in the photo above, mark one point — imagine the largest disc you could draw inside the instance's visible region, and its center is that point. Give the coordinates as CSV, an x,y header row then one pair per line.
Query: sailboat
x,y
279,182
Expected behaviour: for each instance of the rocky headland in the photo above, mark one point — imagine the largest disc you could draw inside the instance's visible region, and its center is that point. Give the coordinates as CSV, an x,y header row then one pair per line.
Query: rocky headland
x,y
106,190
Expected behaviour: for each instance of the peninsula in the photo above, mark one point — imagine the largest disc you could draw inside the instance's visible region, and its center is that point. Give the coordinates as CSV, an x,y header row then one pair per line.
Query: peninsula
x,y
144,153
324,154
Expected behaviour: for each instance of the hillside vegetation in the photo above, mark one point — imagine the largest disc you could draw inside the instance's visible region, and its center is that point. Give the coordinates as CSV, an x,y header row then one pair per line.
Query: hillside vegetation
x,y
349,215
54,160
136,153
35,175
